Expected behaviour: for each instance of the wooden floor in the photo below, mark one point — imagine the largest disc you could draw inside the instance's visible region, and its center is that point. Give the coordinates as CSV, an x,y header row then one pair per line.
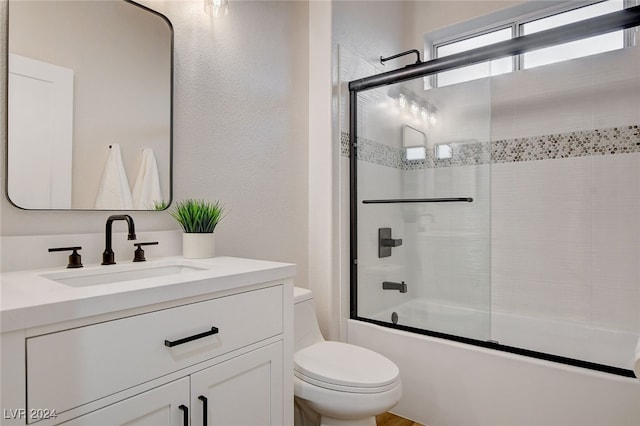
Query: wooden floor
x,y
388,419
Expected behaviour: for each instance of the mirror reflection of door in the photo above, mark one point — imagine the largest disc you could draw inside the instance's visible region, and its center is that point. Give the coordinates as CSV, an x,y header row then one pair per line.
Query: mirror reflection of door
x,y
39,173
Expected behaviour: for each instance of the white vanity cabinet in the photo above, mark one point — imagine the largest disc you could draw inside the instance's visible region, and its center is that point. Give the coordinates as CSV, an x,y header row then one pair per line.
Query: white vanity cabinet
x,y
244,391
166,405
222,358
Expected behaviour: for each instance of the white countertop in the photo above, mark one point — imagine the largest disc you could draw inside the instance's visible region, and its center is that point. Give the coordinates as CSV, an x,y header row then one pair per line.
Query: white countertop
x,y
28,299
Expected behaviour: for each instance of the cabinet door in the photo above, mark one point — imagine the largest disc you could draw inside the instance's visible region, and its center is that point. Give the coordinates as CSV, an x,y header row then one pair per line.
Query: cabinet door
x,y
162,406
244,391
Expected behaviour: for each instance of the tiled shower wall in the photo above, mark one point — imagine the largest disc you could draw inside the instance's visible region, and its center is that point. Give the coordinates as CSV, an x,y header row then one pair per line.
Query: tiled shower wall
x,y
566,239
564,155
565,191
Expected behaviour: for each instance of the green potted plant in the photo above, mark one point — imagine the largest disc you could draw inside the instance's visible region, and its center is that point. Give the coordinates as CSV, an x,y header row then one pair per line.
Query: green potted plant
x,y
198,219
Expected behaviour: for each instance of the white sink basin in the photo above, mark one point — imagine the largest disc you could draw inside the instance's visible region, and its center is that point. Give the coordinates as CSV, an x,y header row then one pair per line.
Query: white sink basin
x,y
117,273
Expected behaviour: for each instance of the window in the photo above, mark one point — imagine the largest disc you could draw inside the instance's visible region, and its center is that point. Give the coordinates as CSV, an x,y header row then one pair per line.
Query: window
x,y
576,49
472,72
524,23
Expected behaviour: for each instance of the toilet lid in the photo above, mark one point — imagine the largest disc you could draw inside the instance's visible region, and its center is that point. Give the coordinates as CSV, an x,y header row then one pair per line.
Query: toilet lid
x,y
345,365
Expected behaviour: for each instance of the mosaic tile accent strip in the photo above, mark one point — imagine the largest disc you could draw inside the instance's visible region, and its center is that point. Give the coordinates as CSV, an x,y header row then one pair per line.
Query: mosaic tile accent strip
x,y
465,154
615,140
373,152
344,144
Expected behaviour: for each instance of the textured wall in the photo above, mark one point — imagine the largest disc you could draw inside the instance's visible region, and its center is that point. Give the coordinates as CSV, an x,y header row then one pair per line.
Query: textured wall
x,y
240,130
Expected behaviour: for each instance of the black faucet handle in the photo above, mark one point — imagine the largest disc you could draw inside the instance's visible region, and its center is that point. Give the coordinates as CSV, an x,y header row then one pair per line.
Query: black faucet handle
x,y
151,243
139,253
75,259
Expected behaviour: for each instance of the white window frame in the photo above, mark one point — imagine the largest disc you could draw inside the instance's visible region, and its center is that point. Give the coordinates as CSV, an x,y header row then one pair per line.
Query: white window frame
x,y
513,17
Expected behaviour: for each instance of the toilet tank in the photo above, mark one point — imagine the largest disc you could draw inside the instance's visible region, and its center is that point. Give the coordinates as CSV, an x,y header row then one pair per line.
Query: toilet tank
x,y
306,330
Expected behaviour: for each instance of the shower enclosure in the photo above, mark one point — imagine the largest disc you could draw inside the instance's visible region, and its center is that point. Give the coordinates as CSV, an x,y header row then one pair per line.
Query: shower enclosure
x,y
503,212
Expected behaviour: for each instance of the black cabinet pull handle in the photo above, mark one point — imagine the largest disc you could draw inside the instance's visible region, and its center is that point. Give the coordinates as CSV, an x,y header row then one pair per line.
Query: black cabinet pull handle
x,y
204,409
169,343
185,414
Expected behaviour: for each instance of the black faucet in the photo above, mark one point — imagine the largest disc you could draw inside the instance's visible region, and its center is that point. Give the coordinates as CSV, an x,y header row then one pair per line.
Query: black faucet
x,y
108,258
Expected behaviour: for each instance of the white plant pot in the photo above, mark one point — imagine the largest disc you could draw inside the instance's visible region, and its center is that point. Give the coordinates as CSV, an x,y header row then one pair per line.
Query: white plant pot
x,y
198,246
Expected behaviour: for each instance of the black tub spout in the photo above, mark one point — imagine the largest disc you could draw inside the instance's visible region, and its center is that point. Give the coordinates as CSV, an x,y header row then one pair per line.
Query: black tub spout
x,y
390,285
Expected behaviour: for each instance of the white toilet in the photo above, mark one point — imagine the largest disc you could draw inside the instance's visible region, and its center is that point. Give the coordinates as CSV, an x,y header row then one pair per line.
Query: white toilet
x,y
337,384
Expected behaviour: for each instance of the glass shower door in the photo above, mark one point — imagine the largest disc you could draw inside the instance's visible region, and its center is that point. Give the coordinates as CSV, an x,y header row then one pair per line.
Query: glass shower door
x,y
423,207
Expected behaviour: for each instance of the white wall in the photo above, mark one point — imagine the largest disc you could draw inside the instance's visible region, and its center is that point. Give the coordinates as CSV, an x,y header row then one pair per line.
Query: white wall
x,y
370,28
240,130
323,195
430,15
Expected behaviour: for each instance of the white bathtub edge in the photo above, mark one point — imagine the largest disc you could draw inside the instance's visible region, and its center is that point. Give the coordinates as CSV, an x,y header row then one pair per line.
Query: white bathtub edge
x,y
451,383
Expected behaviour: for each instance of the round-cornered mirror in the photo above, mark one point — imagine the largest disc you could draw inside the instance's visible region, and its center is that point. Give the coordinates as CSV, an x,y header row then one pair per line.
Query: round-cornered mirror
x,y
89,106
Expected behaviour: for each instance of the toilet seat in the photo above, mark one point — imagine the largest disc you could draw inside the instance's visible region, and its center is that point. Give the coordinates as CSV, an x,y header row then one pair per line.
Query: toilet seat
x,y
345,368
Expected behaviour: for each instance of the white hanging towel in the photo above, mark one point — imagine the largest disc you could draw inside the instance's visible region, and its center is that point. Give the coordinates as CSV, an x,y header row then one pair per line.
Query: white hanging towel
x,y
146,190
114,192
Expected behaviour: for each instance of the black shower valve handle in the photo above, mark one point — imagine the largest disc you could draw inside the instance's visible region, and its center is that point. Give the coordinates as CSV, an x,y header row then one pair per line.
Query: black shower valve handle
x,y
139,253
391,242
75,259
386,242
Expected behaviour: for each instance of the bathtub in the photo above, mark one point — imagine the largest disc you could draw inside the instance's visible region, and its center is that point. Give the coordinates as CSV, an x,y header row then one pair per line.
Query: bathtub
x,y
455,320
447,383
571,340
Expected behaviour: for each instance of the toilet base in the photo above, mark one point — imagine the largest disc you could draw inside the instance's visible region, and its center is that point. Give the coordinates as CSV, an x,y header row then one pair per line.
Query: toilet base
x,y
305,416
327,421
